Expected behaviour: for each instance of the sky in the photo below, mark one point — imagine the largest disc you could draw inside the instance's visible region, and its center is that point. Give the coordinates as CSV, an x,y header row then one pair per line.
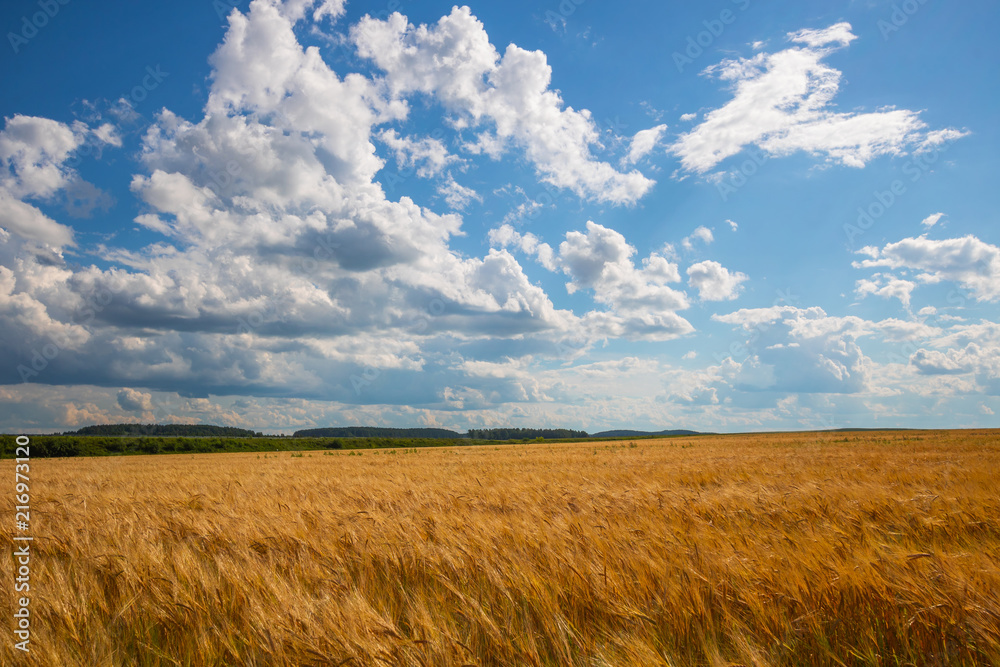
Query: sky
x,y
728,216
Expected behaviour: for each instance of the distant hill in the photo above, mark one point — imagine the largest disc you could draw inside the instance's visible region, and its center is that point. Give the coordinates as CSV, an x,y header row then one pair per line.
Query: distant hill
x,y
639,434
375,432
174,430
851,429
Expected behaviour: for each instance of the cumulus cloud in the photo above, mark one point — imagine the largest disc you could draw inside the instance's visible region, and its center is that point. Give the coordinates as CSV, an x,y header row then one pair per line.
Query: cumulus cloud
x,y
455,62
973,264
296,10
33,156
894,330
644,142
964,349
29,222
600,259
457,196
702,234
33,151
935,362
886,286
131,400
715,282
278,247
799,350
781,104
292,284
429,155
931,220
505,236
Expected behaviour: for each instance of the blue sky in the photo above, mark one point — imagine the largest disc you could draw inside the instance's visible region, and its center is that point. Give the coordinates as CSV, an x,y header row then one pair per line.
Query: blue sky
x,y
726,216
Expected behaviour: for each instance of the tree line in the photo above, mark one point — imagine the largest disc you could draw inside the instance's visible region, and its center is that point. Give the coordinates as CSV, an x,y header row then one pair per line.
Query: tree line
x,y
46,446
169,430
375,432
524,433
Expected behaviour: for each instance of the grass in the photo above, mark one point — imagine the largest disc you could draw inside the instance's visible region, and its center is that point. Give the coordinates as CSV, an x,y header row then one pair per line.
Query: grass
x,y
878,548
64,446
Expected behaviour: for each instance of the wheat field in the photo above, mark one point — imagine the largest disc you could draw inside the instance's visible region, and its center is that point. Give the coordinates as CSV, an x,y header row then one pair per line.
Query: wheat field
x,y
875,548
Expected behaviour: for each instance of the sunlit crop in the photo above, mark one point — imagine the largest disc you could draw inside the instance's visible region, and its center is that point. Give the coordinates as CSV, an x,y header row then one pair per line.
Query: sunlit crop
x,y
788,549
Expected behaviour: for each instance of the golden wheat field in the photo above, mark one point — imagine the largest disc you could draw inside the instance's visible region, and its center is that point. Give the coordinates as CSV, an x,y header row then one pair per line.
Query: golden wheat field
x,y
783,549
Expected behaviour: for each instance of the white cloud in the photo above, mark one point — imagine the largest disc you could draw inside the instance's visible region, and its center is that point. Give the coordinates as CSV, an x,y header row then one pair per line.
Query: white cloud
x,y
644,142
131,400
506,236
600,260
295,10
934,362
32,151
886,286
280,250
973,264
429,155
733,225
839,34
289,266
33,156
454,61
702,234
457,196
641,303
781,104
931,220
29,222
965,349
714,282
687,117
895,330
798,350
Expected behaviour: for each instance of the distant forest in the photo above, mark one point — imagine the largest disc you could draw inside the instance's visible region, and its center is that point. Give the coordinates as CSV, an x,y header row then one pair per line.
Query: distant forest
x,y
170,430
375,432
643,434
207,430
523,433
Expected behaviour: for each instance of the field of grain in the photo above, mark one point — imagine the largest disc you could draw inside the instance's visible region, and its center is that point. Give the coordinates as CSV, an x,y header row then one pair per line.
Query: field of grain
x,y
789,549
